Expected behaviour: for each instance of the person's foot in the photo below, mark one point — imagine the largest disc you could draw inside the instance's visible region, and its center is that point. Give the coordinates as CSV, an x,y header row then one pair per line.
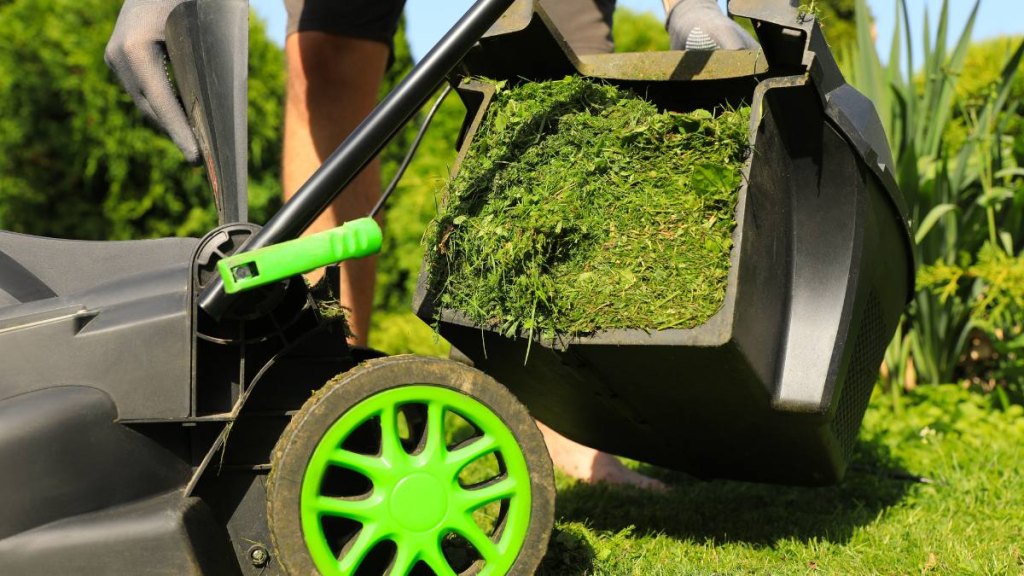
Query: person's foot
x,y
593,466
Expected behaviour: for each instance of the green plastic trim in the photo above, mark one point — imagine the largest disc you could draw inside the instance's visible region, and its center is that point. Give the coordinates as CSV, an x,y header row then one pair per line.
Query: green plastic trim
x,y
354,239
417,498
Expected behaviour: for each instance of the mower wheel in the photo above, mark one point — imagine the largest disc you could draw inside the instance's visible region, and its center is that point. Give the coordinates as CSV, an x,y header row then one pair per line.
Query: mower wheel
x,y
411,465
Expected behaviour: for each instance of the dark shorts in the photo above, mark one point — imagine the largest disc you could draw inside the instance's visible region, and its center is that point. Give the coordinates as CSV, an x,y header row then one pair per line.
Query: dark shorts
x,y
586,24
366,19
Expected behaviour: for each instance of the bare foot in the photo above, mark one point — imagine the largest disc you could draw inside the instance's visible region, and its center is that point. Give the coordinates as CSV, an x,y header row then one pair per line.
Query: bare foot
x,y
592,466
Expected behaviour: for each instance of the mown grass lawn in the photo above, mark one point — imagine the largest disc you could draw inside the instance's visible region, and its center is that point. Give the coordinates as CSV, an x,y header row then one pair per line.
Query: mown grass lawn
x,y
937,487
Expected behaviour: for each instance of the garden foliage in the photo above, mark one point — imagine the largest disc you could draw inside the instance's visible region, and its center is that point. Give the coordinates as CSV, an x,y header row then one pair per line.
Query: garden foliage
x,y
638,32
77,160
958,163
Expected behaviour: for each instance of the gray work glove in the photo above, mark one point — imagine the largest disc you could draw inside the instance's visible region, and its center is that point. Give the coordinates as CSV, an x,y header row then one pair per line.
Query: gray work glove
x,y
137,54
701,25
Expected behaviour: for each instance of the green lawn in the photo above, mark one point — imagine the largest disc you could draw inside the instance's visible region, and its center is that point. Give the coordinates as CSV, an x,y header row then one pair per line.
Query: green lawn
x,y
936,488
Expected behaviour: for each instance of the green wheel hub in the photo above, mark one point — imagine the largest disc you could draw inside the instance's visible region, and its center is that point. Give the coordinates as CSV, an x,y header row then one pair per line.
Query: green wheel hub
x,y
416,499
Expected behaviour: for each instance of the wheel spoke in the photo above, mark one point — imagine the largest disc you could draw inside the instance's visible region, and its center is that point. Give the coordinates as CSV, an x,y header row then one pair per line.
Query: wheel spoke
x,y
371,466
353,554
434,444
497,489
461,457
390,442
475,535
363,510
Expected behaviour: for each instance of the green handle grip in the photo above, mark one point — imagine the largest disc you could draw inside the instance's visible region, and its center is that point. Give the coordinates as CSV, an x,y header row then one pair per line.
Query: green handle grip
x,y
354,239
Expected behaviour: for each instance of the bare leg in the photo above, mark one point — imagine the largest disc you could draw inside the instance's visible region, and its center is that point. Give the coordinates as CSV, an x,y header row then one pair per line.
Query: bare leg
x,y
332,85
592,466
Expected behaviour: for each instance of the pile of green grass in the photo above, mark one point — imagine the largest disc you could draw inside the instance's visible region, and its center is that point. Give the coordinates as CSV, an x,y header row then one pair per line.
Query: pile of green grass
x,y
581,207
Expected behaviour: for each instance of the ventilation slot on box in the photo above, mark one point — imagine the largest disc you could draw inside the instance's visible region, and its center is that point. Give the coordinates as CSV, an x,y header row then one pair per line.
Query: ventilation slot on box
x,y
868,350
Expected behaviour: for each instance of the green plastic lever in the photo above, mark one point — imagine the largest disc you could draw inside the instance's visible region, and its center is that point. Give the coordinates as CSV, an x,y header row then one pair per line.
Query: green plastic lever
x,y
353,239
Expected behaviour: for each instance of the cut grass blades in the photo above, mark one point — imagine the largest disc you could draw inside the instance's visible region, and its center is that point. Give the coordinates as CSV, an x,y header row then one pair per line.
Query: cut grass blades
x,y
581,207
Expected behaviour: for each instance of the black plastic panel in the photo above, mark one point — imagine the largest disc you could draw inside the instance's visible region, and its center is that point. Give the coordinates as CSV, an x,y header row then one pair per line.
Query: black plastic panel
x,y
165,535
64,454
120,322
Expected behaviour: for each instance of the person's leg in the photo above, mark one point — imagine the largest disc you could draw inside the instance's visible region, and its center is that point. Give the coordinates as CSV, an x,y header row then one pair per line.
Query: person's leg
x,y
337,53
332,85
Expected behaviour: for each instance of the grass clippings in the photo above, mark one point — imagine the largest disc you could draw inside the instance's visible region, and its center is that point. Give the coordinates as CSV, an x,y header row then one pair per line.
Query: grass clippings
x,y
582,207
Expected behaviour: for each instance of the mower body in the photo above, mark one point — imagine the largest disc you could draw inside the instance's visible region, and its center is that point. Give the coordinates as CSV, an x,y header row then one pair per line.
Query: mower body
x,y
133,434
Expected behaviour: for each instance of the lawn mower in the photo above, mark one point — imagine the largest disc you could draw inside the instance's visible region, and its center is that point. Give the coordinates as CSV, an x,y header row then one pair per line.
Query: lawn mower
x,y
191,406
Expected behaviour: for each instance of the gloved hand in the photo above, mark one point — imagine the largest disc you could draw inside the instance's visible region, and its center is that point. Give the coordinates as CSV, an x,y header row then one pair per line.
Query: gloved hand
x,y
701,25
137,54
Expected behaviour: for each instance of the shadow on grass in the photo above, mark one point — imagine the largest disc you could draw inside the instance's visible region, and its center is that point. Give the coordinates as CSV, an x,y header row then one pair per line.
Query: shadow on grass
x,y
757,514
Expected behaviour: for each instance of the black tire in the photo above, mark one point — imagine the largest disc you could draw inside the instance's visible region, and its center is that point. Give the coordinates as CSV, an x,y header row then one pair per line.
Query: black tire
x,y
299,440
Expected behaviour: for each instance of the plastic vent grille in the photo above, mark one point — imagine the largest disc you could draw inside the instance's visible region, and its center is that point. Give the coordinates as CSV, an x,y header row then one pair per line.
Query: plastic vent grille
x,y
868,350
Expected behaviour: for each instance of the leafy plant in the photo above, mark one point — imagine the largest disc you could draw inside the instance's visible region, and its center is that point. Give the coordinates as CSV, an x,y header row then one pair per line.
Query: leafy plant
x,y
962,198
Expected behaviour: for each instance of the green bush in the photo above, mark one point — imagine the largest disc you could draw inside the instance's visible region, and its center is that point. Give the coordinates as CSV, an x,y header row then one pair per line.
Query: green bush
x,y
76,158
638,31
983,70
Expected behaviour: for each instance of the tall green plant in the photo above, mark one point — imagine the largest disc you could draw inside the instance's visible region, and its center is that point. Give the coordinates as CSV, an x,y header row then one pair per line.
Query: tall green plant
x,y
961,199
